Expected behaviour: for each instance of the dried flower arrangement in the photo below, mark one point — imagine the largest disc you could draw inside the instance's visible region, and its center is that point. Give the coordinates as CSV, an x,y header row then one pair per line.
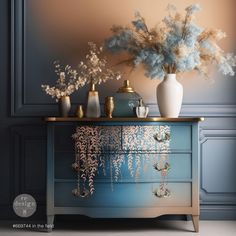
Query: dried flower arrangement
x,y
176,45
94,69
66,83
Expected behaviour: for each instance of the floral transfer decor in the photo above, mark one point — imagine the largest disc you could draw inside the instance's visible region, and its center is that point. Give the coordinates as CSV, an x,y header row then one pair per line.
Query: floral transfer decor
x,y
142,138
107,148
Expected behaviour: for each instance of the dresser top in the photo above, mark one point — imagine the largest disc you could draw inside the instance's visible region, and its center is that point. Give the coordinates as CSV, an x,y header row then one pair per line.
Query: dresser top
x,y
123,119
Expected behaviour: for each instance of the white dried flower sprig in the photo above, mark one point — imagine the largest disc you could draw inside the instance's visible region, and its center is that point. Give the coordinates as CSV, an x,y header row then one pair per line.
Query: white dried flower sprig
x,y
94,69
67,82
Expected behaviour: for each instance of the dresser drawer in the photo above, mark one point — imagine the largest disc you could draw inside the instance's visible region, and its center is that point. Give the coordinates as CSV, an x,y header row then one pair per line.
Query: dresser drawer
x,y
124,195
180,167
141,138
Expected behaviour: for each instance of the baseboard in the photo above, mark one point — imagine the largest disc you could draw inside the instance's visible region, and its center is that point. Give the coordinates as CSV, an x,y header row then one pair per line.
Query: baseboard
x,y
207,212
215,212
6,212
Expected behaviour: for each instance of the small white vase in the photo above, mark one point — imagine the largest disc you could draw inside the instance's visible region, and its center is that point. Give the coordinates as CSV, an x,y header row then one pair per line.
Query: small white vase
x,y
142,112
169,96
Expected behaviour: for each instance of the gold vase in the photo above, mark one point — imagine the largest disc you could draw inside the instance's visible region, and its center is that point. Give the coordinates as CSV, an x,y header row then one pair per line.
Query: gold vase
x,y
109,106
79,111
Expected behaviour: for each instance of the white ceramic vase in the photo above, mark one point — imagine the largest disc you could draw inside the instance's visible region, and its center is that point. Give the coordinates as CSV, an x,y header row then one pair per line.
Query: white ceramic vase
x,y
169,96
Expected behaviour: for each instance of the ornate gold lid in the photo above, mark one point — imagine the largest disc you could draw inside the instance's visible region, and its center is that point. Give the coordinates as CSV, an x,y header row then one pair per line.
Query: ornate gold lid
x,y
126,88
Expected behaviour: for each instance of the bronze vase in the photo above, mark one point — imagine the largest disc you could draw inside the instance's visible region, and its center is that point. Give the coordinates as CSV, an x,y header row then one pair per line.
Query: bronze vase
x,y
109,106
79,111
64,106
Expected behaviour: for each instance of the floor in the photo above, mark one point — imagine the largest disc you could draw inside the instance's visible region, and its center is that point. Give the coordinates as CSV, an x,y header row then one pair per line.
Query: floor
x,y
123,227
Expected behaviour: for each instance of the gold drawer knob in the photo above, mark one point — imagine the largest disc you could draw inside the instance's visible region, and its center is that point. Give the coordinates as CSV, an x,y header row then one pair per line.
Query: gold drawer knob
x,y
75,166
162,166
162,192
78,193
162,136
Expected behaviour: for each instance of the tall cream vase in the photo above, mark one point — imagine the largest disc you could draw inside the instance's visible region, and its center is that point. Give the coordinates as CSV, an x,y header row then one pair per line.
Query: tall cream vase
x,y
169,96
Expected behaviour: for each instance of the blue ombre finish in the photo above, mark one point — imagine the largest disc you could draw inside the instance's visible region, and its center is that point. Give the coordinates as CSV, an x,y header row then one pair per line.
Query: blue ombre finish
x,y
178,142
180,168
127,197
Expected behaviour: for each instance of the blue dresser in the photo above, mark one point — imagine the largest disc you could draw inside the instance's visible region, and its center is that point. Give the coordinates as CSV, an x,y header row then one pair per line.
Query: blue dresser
x,y
142,167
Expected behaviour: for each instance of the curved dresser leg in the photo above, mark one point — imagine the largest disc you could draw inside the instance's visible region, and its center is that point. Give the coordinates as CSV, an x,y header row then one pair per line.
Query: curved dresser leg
x,y
50,221
195,219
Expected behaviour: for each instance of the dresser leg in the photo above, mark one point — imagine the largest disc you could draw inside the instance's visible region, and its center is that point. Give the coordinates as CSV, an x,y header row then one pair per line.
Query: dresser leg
x,y
50,221
195,219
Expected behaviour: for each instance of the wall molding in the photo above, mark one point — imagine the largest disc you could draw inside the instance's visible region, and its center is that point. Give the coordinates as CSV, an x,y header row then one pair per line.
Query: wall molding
x,y
206,110
206,134
19,106
218,212
17,57
19,137
206,196
38,110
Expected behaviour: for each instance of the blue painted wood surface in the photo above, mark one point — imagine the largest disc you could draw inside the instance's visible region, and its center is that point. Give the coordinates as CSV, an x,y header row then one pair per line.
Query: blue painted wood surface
x,y
124,195
180,168
127,193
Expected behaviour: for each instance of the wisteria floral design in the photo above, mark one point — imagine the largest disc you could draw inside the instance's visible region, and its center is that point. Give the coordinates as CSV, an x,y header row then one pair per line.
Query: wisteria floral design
x,y
177,44
101,146
86,164
93,145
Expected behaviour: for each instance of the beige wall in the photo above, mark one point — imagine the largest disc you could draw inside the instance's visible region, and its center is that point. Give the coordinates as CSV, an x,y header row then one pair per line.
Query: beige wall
x,y
66,26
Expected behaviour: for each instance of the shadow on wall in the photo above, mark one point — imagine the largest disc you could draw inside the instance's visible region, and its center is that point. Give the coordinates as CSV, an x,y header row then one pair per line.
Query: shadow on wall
x,y
62,28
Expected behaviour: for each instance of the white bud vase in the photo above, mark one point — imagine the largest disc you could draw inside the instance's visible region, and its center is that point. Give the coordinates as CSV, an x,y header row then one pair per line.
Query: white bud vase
x,y
169,96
